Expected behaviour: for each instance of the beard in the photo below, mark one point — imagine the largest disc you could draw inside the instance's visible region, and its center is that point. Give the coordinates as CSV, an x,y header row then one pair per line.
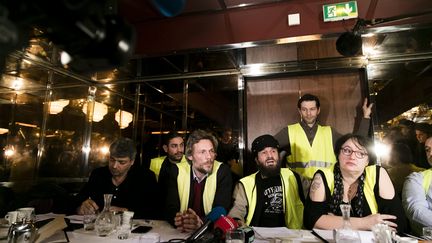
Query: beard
x,y
205,171
176,157
269,171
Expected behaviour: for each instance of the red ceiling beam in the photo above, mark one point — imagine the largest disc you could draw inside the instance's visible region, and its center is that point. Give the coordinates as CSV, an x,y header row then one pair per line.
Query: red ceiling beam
x,y
257,23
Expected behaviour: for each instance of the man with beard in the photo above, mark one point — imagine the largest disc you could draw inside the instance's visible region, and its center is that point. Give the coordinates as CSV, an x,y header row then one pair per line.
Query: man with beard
x,y
272,197
130,185
173,146
198,186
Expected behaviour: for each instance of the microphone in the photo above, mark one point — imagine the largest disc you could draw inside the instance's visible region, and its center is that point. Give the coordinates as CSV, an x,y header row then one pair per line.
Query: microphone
x,y
222,225
216,213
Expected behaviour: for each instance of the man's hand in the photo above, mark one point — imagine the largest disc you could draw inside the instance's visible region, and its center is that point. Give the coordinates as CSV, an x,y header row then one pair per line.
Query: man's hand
x,y
367,109
187,221
118,209
88,207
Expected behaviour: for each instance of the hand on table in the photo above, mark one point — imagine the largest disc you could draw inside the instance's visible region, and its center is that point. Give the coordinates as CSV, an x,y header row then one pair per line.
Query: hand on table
x,y
187,221
117,209
88,207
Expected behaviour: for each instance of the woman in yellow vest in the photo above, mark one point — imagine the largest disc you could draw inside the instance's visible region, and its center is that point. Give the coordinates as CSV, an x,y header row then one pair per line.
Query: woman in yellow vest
x,y
368,189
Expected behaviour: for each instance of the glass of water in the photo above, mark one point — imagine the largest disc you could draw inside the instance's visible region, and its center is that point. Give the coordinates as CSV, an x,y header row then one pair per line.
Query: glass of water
x,y
235,236
427,233
89,221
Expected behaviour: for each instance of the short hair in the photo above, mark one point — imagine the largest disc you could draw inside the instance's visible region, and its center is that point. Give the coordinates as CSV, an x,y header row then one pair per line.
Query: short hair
x,y
169,136
197,136
123,147
308,97
424,127
365,142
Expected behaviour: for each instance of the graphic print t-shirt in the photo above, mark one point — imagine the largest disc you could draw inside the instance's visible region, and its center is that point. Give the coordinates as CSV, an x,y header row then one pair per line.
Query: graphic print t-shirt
x,y
272,214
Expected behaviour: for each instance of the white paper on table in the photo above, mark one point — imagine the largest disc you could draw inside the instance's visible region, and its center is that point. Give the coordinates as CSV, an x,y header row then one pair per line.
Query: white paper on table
x,y
41,217
75,219
264,233
365,236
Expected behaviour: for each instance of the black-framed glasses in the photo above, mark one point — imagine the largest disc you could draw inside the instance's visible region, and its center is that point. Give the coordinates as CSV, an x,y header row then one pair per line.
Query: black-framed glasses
x,y
358,154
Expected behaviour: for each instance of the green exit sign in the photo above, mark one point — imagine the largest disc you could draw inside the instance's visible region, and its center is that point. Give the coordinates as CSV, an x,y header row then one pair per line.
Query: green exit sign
x,y
340,11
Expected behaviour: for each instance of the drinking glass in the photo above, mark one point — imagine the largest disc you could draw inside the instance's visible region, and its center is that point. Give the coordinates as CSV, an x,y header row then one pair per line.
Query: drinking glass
x,y
235,236
89,221
427,233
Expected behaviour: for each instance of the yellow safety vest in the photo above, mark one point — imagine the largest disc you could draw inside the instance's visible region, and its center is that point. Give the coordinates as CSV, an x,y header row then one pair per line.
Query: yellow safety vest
x,y
368,187
427,179
156,164
292,205
184,185
306,159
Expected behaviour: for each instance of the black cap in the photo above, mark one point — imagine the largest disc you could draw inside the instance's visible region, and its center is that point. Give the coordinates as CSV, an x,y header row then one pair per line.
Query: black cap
x,y
263,142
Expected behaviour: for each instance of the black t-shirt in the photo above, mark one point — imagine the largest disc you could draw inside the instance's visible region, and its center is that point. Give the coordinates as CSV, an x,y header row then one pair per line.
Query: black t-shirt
x,y
269,211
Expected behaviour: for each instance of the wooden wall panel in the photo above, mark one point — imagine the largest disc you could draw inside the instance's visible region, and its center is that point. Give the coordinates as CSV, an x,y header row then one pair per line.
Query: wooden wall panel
x,y
272,103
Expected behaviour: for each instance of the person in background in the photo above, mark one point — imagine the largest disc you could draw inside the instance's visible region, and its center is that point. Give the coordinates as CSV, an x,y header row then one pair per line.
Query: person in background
x,y
173,145
400,165
368,189
417,195
272,197
228,153
423,131
130,185
309,145
197,187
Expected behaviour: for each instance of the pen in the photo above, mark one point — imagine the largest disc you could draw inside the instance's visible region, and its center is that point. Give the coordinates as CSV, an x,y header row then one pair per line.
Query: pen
x,y
67,237
319,236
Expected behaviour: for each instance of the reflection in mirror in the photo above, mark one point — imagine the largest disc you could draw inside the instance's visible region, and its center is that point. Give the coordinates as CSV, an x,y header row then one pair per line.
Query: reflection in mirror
x,y
399,74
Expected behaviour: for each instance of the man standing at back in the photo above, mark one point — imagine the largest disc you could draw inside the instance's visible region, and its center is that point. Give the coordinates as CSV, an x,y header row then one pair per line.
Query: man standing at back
x,y
196,187
309,145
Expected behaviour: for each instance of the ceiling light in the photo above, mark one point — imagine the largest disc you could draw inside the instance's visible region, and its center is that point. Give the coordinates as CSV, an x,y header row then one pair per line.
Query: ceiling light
x,y
3,131
65,58
18,83
57,106
123,118
99,111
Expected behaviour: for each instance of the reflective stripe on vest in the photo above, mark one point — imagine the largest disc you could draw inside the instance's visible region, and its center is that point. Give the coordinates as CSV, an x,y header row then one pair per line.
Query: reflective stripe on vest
x,y
184,185
368,188
292,205
156,164
306,159
427,179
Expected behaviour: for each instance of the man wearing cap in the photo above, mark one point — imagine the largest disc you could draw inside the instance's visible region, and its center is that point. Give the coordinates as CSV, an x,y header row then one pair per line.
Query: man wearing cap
x,y
309,145
272,197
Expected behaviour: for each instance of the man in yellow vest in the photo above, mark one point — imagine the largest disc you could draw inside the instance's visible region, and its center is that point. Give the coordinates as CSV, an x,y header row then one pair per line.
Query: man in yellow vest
x,y
173,146
195,188
417,195
272,197
309,145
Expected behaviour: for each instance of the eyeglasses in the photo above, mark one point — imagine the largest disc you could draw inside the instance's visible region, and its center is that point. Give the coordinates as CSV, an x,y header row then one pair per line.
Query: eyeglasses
x,y
358,154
